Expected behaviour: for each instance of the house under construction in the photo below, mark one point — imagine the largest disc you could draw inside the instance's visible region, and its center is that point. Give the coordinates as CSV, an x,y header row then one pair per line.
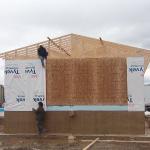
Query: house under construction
x,y
82,71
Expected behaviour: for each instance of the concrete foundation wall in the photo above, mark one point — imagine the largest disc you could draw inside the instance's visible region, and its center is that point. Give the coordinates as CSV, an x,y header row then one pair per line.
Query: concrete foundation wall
x,y
83,122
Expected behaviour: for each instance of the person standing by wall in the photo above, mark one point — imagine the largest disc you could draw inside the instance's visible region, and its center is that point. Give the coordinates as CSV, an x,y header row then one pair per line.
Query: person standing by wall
x,y
40,117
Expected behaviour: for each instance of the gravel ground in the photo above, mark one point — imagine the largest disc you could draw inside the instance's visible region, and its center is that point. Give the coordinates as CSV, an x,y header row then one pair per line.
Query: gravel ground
x,y
120,146
41,143
61,143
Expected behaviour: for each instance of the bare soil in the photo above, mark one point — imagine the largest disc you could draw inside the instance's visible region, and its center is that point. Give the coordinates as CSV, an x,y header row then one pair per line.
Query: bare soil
x,y
47,142
41,143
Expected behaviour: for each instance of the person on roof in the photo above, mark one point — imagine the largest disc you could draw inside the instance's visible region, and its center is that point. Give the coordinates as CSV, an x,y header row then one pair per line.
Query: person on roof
x,y
42,53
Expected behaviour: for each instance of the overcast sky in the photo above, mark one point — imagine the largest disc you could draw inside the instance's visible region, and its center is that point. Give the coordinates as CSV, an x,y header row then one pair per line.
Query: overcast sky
x,y
24,22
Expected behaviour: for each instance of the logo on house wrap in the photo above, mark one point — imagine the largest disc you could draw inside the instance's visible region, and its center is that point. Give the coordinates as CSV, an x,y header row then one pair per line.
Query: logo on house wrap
x,y
13,71
38,98
30,70
136,68
20,98
130,98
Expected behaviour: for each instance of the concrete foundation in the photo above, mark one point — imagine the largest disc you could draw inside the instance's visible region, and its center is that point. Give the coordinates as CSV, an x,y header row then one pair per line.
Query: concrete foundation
x,y
81,122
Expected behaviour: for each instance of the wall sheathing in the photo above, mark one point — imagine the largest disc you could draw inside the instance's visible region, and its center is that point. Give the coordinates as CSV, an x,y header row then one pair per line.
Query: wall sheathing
x,y
86,81
86,47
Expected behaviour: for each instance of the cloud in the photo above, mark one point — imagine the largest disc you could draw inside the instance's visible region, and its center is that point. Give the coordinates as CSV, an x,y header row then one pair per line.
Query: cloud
x,y
25,22
29,21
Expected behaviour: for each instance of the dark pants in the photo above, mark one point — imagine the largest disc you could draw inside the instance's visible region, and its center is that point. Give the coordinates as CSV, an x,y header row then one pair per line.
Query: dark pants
x,y
40,126
42,60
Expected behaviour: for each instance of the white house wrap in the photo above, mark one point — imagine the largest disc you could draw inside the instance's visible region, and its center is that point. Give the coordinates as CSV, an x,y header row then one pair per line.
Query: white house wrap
x,y
135,80
24,85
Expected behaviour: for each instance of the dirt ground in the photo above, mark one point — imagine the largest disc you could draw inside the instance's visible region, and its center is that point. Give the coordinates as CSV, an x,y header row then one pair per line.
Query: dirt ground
x,y
38,143
47,142
120,146
42,143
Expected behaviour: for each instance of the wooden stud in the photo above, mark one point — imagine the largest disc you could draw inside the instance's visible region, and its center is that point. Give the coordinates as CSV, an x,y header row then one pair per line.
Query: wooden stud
x,y
91,144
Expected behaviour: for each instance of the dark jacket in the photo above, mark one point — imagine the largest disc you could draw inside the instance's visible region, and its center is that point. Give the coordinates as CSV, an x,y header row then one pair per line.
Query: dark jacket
x,y
40,114
42,52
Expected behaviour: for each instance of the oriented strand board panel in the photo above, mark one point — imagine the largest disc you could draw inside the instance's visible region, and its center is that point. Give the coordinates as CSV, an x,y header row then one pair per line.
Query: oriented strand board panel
x,y
59,80
86,81
86,47
84,122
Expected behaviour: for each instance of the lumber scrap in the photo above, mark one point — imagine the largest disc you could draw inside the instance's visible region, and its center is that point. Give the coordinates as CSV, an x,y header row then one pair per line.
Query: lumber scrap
x,y
88,146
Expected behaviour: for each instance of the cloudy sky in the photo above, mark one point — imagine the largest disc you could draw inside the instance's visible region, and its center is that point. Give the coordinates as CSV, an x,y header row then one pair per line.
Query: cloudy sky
x,y
24,22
